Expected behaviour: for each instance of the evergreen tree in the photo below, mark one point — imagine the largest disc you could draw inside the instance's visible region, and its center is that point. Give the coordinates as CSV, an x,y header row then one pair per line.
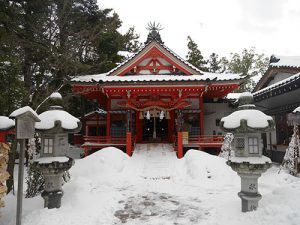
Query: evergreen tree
x,y
250,64
46,42
216,64
194,55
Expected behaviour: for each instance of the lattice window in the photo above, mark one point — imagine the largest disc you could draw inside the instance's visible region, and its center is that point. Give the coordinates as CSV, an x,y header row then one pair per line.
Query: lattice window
x,y
48,145
253,145
240,142
118,131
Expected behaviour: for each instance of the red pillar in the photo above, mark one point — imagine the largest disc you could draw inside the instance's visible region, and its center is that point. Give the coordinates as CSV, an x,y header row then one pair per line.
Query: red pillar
x,y
179,145
201,115
108,117
128,143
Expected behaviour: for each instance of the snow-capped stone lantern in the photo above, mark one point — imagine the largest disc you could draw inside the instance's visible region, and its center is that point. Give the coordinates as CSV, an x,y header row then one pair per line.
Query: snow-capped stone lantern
x,y
54,128
247,124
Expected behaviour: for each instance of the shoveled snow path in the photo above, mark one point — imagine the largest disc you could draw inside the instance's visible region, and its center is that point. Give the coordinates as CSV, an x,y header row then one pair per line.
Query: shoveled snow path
x,y
158,161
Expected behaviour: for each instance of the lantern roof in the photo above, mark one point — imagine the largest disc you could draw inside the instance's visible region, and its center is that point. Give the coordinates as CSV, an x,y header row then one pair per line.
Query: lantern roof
x,y
247,119
57,117
6,123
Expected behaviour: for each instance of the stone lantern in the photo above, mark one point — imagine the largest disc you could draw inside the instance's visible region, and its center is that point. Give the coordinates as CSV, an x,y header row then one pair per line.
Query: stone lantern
x,y
54,128
247,124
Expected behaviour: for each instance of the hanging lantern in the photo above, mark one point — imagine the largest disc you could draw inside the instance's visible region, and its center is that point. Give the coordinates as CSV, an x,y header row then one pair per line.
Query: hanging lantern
x,y
168,115
161,115
141,116
148,115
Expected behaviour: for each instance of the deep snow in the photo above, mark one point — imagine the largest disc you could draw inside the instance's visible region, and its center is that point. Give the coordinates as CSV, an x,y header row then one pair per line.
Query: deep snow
x,y
154,187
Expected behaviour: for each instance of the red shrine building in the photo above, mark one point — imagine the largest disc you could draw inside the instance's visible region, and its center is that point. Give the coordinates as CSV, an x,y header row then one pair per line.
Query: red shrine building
x,y
155,96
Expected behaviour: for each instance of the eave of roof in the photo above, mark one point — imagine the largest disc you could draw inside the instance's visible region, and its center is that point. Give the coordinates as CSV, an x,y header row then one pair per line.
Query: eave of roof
x,y
104,78
289,83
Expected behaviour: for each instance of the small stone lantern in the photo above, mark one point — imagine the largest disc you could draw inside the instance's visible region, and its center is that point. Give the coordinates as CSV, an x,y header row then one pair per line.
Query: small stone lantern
x,y
54,128
247,124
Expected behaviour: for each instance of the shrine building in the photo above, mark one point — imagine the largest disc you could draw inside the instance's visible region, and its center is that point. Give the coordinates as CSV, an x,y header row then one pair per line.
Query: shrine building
x,y
155,96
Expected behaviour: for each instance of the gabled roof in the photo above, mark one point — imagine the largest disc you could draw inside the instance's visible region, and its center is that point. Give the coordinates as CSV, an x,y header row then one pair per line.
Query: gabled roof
x,y
146,49
285,61
287,64
140,67
265,91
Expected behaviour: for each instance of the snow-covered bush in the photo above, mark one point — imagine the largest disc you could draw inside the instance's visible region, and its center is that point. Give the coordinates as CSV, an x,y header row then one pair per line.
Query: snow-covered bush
x,y
291,158
226,150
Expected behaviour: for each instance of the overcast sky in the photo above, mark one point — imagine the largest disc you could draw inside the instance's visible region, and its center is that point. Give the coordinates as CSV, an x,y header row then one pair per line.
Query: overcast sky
x,y
221,26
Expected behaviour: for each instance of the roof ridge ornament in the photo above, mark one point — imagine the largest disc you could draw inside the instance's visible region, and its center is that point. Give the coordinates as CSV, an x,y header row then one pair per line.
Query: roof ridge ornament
x,y
154,29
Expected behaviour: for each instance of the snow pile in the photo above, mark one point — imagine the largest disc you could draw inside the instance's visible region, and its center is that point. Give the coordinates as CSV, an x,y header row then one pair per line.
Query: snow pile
x,y
207,169
108,187
6,123
49,118
107,163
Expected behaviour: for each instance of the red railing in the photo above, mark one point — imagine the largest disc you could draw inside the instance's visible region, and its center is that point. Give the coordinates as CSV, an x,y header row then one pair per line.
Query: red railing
x,y
209,140
104,140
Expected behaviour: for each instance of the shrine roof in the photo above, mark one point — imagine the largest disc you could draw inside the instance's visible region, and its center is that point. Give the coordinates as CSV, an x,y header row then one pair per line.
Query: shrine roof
x,y
285,61
277,85
144,78
144,48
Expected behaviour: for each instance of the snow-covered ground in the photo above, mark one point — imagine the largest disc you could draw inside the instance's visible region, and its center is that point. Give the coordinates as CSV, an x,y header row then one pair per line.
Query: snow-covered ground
x,y
154,187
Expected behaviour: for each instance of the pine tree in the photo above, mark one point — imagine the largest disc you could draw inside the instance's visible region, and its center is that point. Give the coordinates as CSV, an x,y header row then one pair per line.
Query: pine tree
x,y
216,64
194,55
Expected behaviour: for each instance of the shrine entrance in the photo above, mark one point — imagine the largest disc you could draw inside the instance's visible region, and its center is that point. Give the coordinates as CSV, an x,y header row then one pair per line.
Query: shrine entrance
x,y
155,126
155,130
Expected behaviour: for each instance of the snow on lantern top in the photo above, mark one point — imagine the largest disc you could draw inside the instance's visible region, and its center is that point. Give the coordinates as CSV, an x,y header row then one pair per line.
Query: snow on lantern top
x,y
247,119
6,123
56,117
55,95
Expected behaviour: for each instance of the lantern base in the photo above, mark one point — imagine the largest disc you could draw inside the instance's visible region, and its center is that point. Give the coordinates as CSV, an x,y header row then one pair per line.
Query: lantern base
x,y
52,199
249,201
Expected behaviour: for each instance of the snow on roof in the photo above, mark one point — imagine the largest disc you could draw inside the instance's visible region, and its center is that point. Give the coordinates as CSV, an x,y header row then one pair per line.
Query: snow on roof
x,y
23,110
253,160
6,123
132,78
233,96
245,94
254,118
278,84
297,110
49,118
286,61
55,95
